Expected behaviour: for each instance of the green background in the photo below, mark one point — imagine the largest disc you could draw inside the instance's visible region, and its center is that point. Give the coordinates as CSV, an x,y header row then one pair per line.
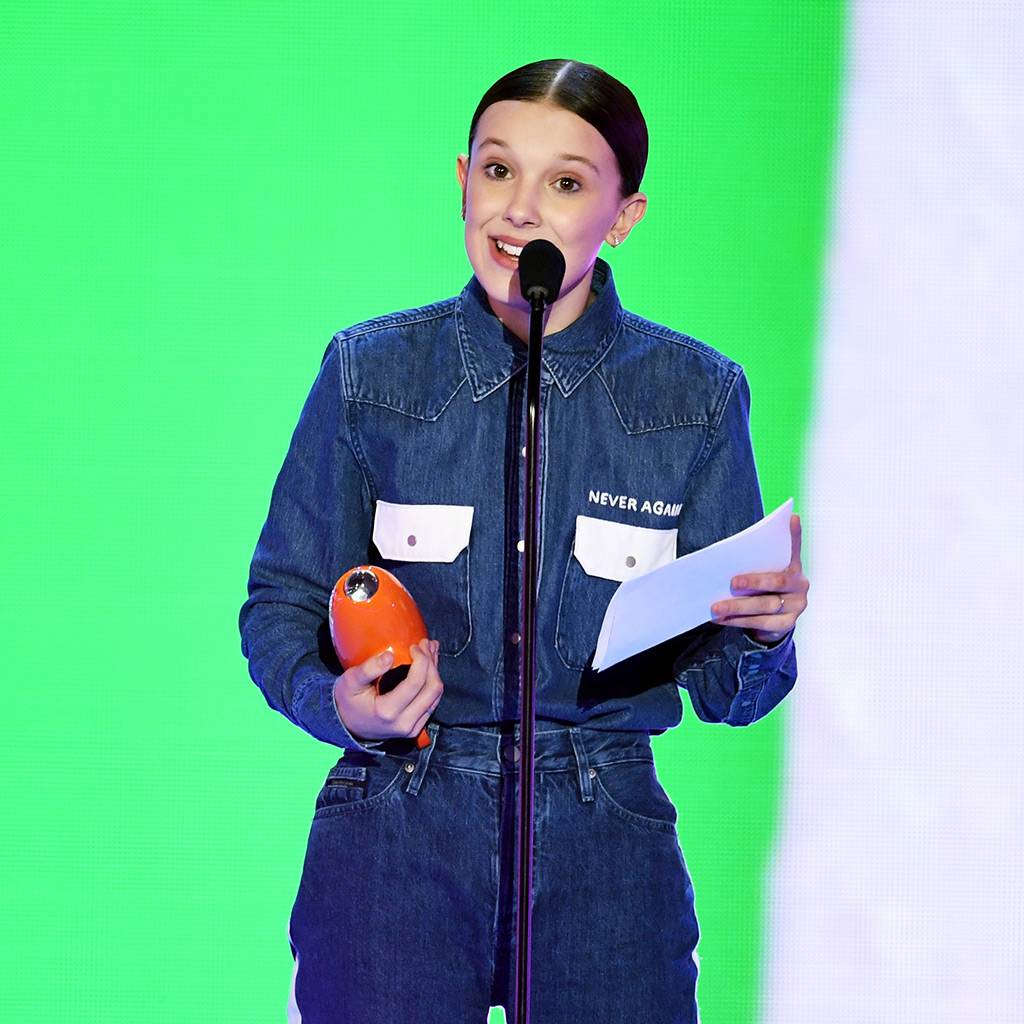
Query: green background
x,y
195,198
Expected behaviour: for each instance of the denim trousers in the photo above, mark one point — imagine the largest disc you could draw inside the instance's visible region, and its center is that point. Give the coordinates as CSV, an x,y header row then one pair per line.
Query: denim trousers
x,y
407,902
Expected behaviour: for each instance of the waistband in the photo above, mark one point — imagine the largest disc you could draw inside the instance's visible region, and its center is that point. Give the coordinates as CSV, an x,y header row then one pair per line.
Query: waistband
x,y
496,748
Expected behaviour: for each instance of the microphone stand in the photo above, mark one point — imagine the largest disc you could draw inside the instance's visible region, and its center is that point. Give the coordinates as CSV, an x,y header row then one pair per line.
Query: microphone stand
x,y
529,661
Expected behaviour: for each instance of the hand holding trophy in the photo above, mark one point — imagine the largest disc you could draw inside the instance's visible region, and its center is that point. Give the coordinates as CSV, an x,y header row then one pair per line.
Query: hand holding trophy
x,y
377,630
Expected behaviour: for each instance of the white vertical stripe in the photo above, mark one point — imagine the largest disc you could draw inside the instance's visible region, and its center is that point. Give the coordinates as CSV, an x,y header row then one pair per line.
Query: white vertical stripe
x,y
897,892
294,1016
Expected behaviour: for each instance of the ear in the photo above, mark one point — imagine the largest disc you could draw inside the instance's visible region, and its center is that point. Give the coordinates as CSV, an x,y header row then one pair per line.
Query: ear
x,y
631,211
462,173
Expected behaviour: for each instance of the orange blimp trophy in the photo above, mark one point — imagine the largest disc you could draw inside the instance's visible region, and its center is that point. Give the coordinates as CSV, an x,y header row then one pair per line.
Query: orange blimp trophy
x,y
370,613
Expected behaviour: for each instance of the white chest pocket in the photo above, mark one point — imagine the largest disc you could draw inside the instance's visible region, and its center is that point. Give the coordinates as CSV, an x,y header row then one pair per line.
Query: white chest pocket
x,y
427,547
421,533
604,554
618,551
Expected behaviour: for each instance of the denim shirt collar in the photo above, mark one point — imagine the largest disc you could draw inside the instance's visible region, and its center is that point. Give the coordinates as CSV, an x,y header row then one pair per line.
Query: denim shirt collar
x,y
492,354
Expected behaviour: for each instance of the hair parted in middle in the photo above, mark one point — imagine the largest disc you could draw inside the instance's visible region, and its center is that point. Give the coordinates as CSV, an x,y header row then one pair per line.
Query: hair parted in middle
x,y
584,89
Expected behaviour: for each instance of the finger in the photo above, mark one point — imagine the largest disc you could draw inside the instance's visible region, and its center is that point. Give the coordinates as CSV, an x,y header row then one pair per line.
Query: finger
x,y
414,692
428,649
764,623
760,582
796,532
368,672
726,611
421,722
414,717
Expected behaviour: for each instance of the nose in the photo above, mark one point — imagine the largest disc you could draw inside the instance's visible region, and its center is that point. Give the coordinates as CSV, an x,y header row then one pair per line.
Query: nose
x,y
522,209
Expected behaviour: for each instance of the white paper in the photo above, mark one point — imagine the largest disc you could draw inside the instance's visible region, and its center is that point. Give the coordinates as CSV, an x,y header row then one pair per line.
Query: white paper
x,y
673,598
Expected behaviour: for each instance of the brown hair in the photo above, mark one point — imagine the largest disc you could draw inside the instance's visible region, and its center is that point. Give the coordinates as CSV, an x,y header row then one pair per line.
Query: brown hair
x,y
589,92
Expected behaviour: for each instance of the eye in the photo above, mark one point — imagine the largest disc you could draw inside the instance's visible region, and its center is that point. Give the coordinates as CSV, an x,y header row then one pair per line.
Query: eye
x,y
566,184
500,171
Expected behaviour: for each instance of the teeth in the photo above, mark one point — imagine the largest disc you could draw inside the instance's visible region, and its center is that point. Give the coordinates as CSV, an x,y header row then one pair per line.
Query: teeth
x,y
507,247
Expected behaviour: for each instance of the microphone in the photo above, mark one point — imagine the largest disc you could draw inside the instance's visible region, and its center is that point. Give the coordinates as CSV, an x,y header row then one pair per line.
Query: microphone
x,y
541,269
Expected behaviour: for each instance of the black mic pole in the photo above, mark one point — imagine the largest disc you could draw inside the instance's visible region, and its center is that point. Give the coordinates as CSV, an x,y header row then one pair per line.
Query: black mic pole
x,y
541,269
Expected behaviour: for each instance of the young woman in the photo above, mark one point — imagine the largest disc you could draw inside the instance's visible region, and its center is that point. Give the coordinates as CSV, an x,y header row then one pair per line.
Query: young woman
x,y
409,454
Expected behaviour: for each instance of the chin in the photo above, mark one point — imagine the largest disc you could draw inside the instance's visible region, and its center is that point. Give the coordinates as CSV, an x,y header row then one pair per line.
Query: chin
x,y
500,286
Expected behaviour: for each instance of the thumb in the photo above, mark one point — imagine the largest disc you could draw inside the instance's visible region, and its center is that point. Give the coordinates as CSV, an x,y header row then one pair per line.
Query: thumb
x,y
369,671
796,533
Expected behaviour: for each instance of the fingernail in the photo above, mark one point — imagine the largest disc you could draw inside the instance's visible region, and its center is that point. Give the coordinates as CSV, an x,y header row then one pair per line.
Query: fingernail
x,y
386,658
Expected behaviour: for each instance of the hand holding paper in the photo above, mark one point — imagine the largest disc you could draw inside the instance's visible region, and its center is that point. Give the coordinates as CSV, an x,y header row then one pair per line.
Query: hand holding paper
x,y
766,605
674,598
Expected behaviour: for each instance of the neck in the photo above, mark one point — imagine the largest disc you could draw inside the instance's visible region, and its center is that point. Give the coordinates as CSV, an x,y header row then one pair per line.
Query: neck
x,y
568,308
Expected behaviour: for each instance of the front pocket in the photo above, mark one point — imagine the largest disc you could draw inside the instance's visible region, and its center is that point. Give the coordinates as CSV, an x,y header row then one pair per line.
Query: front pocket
x,y
631,791
427,548
604,555
352,787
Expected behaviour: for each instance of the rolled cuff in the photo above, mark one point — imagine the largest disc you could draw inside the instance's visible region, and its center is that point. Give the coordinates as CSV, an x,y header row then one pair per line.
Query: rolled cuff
x,y
318,715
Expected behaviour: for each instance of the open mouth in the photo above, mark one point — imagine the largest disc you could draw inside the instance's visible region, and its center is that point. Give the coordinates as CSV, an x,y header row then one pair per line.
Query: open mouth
x,y
508,249
506,254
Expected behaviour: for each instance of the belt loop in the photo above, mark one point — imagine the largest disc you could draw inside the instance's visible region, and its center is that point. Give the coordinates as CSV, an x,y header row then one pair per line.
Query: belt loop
x,y
424,759
586,773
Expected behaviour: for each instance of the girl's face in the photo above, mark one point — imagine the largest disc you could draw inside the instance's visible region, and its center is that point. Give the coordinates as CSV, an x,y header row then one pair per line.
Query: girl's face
x,y
540,171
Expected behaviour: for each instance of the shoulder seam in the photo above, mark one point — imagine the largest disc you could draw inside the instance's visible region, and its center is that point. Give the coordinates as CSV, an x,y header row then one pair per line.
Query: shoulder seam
x,y
417,315
673,337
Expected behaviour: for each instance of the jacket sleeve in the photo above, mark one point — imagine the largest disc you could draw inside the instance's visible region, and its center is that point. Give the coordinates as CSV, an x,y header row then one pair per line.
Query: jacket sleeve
x,y
729,676
318,526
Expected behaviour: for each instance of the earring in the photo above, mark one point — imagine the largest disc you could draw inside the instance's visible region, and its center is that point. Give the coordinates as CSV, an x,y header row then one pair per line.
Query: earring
x,y
615,239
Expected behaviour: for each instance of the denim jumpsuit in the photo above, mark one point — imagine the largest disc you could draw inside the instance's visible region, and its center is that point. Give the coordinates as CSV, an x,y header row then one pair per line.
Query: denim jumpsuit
x,y
409,454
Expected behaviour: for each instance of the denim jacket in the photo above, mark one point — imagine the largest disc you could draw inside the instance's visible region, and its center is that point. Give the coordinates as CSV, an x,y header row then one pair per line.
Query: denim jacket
x,y
409,454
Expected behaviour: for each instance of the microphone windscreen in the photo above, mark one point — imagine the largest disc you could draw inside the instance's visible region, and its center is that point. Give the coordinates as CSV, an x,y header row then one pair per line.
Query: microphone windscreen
x,y
541,269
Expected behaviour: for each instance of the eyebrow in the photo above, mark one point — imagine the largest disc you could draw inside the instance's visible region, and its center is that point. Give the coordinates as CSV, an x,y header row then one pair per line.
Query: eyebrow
x,y
558,156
